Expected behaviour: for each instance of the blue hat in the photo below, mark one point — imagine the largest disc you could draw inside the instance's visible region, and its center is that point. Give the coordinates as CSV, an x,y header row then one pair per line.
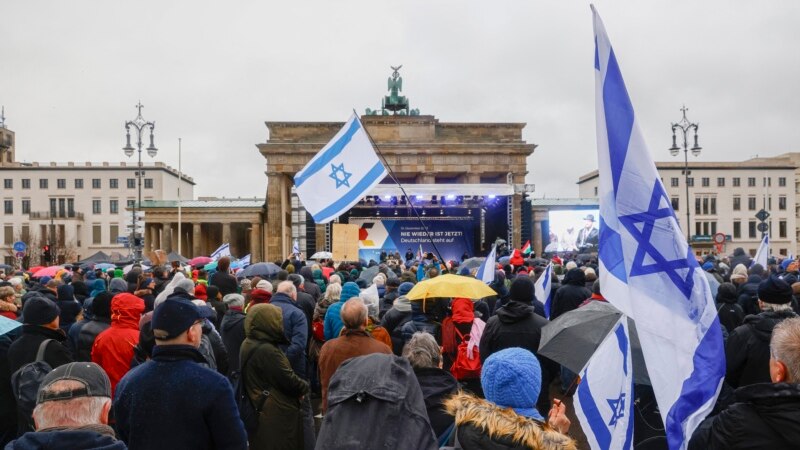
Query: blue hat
x,y
405,288
349,290
173,317
44,280
708,265
512,378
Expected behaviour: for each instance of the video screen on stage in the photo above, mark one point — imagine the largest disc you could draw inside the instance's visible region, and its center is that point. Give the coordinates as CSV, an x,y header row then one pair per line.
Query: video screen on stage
x,y
574,230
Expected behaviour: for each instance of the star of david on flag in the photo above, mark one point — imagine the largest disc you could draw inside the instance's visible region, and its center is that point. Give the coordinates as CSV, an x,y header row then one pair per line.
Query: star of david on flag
x,y
647,269
340,174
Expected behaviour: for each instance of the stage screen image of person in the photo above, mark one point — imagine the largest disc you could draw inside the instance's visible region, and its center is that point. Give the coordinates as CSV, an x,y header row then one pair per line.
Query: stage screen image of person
x,y
573,231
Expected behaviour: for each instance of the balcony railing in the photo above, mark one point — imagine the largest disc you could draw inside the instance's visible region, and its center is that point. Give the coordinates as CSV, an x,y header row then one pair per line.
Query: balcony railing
x,y
47,215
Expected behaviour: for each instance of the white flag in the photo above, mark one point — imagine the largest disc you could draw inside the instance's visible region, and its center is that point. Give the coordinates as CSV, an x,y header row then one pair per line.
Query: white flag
x,y
604,398
763,253
223,250
343,172
486,270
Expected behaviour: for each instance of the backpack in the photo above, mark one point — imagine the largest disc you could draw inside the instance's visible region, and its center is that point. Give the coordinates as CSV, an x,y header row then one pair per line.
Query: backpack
x,y
25,383
463,366
318,330
248,412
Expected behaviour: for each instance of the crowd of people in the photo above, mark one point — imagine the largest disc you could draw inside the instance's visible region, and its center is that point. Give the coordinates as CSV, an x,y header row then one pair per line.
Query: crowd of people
x,y
338,357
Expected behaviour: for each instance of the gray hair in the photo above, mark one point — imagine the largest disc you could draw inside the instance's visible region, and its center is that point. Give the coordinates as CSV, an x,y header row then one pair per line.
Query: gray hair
x,y
186,284
335,279
333,292
233,300
70,413
353,318
785,347
287,287
422,351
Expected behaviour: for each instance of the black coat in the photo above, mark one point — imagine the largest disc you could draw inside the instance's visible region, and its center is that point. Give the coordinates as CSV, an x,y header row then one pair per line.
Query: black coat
x,y
437,385
730,313
764,416
747,349
232,331
393,321
24,349
71,439
748,295
571,293
84,335
226,283
740,257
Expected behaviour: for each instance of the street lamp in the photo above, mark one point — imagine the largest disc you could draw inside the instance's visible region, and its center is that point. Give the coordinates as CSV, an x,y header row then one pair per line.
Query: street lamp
x,y
139,125
685,126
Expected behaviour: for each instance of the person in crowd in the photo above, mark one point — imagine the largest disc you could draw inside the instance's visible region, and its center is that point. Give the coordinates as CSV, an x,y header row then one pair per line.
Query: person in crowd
x,y
40,322
144,349
305,301
400,313
222,279
19,289
748,291
200,292
422,319
274,388
50,289
389,296
571,293
499,287
740,257
211,346
747,349
214,300
597,295
731,314
8,305
96,319
319,278
113,348
145,289
258,296
437,384
71,411
97,286
69,307
202,412
762,415
117,286
232,328
333,320
265,285
310,286
354,341
331,296
517,325
508,417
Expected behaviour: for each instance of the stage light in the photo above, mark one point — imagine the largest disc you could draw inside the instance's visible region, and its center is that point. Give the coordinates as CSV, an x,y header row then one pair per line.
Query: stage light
x,y
460,200
403,200
378,212
394,201
469,212
441,212
387,197
451,197
395,212
419,198
423,212
433,200
492,197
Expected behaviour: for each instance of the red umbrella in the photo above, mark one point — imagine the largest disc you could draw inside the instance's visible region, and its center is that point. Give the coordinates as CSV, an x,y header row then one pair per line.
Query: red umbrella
x,y
47,272
35,269
198,260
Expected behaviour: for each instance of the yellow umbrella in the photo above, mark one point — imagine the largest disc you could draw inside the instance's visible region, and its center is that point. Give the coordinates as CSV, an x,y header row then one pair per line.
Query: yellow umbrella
x,y
450,286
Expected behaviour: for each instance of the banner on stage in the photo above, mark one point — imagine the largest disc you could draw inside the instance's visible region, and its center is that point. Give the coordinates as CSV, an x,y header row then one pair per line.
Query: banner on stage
x,y
452,237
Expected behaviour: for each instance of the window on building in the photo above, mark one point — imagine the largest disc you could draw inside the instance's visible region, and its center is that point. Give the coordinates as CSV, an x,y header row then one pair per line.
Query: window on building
x,y
751,229
96,208
782,202
97,234
113,234
706,181
690,181
53,203
78,183
751,181
737,181
697,203
42,183
148,183
595,191
705,206
714,206
705,228
95,183
782,181
26,183
8,206
131,183
8,234
113,206
675,203
767,182
113,183
71,207
26,206
782,229
698,228
720,182
25,235
713,227
131,203
769,203
737,229
8,183
737,203
61,183
674,182
751,203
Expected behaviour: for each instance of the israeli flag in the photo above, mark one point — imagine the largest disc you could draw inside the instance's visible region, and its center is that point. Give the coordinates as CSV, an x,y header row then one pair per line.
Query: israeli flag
x,y
763,252
343,172
647,269
486,270
223,250
244,261
604,398
296,247
543,290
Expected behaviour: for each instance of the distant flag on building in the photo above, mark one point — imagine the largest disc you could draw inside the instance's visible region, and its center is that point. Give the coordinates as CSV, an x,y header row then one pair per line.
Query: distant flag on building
x,y
763,252
343,172
647,269
604,398
526,249
485,272
223,250
244,261
543,289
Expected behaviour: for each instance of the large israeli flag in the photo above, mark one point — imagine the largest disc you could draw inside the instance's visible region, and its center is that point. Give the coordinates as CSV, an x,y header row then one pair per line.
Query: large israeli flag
x,y
647,269
604,398
343,172
543,289
763,253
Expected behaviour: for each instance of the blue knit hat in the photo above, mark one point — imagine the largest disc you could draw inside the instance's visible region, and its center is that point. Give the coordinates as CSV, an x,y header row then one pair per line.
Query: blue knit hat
x,y
405,288
349,290
512,378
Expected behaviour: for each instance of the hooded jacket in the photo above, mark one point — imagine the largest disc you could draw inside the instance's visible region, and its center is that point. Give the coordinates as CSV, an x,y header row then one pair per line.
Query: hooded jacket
x,y
748,295
393,322
296,331
571,293
232,332
764,416
482,425
70,308
113,348
747,349
333,321
95,437
740,257
267,370
730,312
437,385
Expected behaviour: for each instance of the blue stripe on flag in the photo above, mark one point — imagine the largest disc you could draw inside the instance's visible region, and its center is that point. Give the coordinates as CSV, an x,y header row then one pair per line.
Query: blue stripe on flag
x,y
332,152
629,432
593,416
701,385
356,192
619,118
622,340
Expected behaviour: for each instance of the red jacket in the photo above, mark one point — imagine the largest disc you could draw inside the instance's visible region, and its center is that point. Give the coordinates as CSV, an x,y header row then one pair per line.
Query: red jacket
x,y
113,348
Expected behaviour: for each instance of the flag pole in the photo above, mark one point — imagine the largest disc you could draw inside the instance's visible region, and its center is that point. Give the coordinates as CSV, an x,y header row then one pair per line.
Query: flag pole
x,y
402,189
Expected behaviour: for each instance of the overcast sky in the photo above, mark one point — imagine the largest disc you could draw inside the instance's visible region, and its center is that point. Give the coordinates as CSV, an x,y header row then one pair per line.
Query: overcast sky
x,y
213,72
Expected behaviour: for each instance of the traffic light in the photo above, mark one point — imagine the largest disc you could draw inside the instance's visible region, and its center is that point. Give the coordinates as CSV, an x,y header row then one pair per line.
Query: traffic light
x,y
46,254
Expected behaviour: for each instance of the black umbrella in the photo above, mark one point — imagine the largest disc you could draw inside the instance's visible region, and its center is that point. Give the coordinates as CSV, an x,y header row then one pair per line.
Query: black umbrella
x,y
175,256
262,269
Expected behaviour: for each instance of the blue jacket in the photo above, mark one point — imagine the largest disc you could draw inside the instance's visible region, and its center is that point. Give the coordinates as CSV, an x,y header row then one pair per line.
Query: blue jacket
x,y
295,327
174,402
333,319
76,439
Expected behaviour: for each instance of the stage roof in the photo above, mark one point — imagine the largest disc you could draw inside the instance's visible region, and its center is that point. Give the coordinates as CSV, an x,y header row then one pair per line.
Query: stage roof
x,y
427,190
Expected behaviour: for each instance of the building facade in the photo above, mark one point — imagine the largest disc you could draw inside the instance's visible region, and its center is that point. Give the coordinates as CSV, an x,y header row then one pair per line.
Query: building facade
x,y
724,197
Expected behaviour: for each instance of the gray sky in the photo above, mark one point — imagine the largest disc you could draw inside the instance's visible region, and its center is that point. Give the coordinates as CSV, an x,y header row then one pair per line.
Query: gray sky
x,y
213,72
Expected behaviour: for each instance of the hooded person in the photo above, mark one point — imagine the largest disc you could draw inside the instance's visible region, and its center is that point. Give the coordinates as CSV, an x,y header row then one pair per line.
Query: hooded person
x,y
70,308
97,286
333,320
740,257
389,296
747,350
113,348
97,318
214,299
310,286
400,313
571,294
169,288
232,328
730,312
117,286
273,387
739,275
319,279
508,417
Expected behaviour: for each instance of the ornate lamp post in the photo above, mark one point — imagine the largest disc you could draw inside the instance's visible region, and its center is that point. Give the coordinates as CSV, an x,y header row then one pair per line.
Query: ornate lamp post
x,y
139,125
685,126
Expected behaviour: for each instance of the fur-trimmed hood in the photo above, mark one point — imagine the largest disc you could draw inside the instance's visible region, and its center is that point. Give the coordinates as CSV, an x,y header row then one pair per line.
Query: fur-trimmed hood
x,y
504,424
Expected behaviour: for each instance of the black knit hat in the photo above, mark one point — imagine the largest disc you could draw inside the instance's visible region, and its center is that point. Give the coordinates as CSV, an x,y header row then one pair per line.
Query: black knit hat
x,y
521,290
40,311
775,290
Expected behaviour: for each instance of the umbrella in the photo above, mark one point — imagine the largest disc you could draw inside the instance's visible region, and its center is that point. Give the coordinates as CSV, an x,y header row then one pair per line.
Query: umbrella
x,y
128,268
47,272
175,256
210,267
504,259
368,274
573,337
35,269
199,260
105,266
472,263
450,286
322,255
263,269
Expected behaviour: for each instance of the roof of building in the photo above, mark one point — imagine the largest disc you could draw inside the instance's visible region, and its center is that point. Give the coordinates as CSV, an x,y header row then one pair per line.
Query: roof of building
x,y
17,165
206,203
564,202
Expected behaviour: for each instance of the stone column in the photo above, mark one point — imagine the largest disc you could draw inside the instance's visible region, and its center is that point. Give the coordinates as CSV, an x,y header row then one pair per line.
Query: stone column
x,y
538,238
167,238
195,240
148,238
278,226
226,234
255,242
